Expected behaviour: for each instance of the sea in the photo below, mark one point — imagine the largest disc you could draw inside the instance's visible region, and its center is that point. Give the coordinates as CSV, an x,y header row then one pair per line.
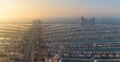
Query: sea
x,y
12,45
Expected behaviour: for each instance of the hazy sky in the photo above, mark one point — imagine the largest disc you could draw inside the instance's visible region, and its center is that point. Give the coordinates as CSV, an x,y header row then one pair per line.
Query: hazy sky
x,y
30,9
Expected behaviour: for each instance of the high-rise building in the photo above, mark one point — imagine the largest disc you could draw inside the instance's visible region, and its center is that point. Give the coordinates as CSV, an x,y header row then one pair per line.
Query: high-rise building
x,y
85,21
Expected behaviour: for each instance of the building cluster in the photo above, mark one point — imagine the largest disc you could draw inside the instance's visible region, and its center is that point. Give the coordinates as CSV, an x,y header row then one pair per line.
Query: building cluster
x,y
66,40
12,41
85,42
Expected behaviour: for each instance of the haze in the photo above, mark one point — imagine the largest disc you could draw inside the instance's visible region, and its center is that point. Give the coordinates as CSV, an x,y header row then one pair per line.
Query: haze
x,y
13,10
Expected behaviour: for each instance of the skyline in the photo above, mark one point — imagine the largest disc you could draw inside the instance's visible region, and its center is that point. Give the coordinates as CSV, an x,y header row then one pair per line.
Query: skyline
x,y
35,9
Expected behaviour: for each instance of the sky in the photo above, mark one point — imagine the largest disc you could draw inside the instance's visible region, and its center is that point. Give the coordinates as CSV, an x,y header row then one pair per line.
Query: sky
x,y
34,9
